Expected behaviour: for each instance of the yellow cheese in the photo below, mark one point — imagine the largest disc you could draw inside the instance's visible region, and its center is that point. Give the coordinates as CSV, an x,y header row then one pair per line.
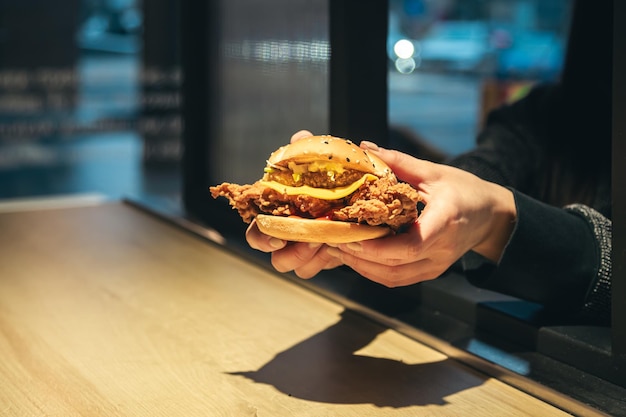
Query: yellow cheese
x,y
321,193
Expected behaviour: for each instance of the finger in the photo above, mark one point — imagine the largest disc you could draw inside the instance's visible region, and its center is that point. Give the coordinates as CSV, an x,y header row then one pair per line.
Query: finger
x,y
438,223
392,276
294,256
321,260
394,250
301,134
407,168
260,241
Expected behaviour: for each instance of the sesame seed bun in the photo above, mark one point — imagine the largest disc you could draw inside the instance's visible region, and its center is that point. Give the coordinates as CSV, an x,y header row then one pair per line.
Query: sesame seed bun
x,y
329,148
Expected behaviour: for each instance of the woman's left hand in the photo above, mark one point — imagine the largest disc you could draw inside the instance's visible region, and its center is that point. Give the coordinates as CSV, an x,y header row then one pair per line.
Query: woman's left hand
x,y
462,213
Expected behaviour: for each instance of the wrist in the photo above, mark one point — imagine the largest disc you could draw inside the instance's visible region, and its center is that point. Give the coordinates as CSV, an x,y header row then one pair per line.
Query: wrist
x,y
503,218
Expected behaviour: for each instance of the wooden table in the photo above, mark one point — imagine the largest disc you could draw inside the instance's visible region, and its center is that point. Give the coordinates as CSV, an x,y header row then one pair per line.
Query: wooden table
x,y
108,311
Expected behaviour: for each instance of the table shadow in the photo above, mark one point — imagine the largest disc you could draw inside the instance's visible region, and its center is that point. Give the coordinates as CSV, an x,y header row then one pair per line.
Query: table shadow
x,y
324,368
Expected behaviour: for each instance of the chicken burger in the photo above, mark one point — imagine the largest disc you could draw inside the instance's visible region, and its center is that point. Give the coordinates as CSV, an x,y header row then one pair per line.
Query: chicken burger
x,y
324,189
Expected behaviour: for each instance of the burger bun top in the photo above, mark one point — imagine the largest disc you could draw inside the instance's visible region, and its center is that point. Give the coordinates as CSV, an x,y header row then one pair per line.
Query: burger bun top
x,y
332,149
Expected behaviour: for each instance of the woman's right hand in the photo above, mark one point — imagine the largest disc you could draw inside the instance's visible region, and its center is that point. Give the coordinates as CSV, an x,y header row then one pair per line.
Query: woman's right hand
x,y
305,259
462,213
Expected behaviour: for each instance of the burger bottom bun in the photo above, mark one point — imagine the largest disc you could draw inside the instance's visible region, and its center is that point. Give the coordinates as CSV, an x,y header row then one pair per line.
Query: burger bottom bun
x,y
298,229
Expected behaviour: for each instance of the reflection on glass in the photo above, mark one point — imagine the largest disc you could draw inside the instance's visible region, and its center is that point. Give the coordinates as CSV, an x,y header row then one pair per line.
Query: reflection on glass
x,y
86,97
272,80
451,61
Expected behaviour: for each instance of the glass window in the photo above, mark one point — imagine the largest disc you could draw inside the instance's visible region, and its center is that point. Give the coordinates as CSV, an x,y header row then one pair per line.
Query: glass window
x,y
88,97
451,61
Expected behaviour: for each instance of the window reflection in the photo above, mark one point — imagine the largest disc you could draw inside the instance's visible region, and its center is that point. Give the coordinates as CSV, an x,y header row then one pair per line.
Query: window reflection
x,y
89,98
451,61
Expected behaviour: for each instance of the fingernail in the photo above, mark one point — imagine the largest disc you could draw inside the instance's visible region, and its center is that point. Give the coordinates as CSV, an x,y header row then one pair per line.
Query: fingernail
x,y
354,246
314,245
370,145
334,252
276,243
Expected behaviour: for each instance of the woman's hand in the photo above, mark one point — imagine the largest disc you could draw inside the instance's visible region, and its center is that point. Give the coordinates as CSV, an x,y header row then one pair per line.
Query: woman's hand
x,y
462,213
305,259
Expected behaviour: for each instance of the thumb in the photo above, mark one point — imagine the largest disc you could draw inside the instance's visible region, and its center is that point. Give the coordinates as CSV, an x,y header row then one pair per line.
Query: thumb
x,y
406,167
300,134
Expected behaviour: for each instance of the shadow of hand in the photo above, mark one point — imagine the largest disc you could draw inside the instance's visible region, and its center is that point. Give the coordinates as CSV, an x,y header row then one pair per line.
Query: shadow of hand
x,y
324,368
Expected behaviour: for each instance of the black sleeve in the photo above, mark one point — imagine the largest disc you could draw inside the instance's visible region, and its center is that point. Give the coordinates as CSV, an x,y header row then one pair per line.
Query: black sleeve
x,y
541,146
513,146
557,256
551,258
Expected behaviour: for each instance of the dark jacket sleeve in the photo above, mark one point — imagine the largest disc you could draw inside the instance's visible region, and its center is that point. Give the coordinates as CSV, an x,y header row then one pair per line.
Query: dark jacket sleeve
x,y
559,252
554,257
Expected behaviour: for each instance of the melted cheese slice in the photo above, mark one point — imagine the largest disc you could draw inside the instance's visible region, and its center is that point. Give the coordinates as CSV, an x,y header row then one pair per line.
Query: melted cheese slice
x,y
321,193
